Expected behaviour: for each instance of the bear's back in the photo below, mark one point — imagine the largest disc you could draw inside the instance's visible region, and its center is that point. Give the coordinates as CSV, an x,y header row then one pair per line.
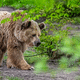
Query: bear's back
x,y
4,14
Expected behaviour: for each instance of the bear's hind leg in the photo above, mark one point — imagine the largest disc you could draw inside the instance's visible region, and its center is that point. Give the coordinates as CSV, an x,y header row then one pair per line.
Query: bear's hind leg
x,y
1,57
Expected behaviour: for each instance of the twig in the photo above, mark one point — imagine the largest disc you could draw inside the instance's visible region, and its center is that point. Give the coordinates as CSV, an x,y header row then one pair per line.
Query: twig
x,y
33,55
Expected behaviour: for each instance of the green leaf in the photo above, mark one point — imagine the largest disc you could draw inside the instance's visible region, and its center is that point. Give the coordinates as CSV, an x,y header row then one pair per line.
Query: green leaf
x,y
44,15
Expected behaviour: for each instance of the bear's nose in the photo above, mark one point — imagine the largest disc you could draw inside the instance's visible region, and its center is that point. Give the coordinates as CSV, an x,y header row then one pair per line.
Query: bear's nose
x,y
38,43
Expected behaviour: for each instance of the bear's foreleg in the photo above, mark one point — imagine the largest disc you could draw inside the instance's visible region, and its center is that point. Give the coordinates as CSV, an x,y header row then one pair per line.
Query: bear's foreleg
x,y
1,57
16,59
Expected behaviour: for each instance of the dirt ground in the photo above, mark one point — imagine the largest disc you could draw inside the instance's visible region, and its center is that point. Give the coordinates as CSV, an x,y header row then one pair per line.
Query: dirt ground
x,y
30,74
23,74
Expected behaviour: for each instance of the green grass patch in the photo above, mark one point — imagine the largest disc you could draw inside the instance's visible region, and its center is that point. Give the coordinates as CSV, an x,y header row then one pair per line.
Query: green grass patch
x,y
13,78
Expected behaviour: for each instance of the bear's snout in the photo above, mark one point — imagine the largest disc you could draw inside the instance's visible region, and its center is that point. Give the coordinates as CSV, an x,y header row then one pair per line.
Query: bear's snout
x,y
37,43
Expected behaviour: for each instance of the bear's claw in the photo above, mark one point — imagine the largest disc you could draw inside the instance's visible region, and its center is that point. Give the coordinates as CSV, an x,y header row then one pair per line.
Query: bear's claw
x,y
32,68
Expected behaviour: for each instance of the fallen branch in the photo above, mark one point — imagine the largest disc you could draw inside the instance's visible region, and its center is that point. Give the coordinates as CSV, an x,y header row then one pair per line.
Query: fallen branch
x,y
33,55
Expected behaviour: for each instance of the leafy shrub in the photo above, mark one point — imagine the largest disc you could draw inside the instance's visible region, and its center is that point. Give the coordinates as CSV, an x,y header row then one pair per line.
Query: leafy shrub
x,y
71,49
6,2
50,43
51,9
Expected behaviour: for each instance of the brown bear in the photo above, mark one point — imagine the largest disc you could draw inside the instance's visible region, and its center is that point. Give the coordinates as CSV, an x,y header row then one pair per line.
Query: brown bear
x,y
16,37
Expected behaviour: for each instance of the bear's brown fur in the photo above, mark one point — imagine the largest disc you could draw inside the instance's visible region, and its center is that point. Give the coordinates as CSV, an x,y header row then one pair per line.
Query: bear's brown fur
x,y
16,37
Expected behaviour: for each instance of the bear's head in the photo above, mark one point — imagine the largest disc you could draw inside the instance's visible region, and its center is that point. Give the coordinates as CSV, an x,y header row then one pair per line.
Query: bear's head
x,y
29,32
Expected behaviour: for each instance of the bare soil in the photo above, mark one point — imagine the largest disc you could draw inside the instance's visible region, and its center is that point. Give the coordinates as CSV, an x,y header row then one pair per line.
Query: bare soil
x,y
31,75
23,74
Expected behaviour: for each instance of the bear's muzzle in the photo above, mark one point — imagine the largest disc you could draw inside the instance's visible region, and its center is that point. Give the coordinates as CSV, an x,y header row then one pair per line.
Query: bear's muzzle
x,y
37,43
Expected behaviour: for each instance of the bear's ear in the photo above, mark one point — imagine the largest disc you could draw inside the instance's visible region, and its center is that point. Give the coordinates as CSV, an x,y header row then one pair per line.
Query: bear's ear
x,y
42,26
26,25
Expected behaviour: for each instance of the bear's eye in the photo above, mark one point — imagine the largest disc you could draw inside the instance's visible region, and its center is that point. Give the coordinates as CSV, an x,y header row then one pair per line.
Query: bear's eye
x,y
38,35
34,35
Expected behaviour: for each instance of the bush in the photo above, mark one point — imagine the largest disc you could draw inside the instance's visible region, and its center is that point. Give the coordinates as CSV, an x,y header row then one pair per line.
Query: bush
x,y
51,9
71,49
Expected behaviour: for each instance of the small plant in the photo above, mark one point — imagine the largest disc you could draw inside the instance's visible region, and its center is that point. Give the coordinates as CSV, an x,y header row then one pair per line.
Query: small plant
x,y
1,77
77,78
13,78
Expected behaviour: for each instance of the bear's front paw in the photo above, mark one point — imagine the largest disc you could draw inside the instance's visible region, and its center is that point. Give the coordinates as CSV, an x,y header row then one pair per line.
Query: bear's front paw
x,y
10,66
27,67
32,68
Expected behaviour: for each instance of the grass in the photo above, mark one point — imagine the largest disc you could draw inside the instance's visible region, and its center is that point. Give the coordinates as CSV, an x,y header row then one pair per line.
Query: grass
x,y
1,77
77,78
13,78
